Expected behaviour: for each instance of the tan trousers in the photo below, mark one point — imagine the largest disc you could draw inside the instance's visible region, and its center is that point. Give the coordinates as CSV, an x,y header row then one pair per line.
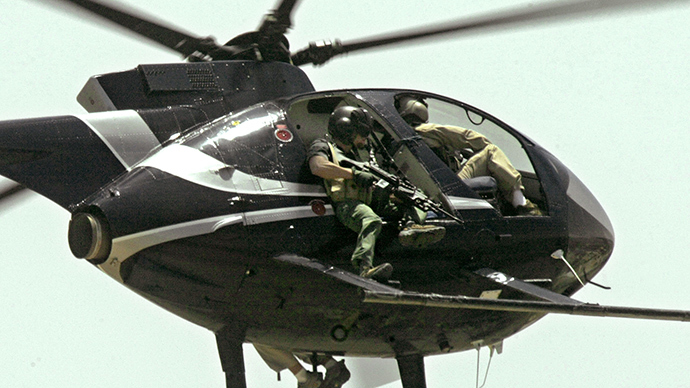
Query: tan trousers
x,y
491,161
276,359
488,159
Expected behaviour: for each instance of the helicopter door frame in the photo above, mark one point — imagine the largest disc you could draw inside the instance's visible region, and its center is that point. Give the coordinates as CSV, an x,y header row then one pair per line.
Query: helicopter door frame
x,y
414,165
446,111
308,116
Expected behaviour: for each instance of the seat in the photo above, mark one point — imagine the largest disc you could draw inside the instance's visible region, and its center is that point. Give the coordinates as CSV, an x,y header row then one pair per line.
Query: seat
x,y
485,186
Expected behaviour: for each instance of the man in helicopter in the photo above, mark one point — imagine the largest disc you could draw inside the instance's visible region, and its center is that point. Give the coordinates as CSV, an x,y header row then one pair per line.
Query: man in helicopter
x,y
355,202
487,160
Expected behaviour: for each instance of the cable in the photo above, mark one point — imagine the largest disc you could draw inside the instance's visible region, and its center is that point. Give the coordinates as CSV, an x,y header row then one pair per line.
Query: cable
x,y
488,366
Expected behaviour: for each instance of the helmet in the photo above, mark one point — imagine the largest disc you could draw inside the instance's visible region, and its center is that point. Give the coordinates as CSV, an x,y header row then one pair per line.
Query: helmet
x,y
347,122
413,110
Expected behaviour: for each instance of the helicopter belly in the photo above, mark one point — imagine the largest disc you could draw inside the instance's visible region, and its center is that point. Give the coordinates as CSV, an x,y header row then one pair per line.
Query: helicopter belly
x,y
298,303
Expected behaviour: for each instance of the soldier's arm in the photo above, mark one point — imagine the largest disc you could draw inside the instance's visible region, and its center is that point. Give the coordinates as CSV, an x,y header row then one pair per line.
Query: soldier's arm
x,y
459,138
322,167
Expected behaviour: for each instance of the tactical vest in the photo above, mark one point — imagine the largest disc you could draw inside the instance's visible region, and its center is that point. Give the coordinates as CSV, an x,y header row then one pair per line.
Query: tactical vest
x,y
340,189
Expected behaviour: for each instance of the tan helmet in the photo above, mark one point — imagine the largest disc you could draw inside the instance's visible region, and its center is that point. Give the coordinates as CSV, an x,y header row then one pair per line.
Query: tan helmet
x,y
413,110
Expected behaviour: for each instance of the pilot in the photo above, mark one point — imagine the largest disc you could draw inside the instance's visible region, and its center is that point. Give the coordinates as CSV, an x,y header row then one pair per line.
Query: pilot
x,y
278,360
487,160
355,203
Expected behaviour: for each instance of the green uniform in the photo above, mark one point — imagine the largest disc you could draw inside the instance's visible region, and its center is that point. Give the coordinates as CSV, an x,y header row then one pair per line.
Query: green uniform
x,y
356,207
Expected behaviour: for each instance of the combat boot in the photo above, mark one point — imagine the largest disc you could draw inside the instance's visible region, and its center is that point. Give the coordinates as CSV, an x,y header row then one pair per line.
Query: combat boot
x,y
529,209
420,236
336,376
314,380
379,273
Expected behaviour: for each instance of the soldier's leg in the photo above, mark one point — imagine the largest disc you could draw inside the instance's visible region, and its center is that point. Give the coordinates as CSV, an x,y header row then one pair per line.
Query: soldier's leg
x,y
414,232
279,360
336,371
491,161
360,218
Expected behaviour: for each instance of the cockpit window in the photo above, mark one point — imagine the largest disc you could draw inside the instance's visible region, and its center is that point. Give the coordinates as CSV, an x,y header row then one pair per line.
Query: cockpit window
x,y
309,117
485,155
245,140
441,112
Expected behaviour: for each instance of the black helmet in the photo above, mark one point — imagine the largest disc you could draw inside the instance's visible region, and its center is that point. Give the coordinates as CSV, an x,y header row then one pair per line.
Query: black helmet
x,y
347,122
413,110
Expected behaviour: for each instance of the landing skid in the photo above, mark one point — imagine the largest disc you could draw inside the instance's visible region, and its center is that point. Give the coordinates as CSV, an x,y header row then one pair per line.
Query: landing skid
x,y
411,369
230,339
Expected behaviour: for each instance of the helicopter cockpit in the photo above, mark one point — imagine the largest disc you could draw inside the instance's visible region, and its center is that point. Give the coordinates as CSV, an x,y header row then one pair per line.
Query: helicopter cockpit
x,y
400,150
264,149
449,113
309,118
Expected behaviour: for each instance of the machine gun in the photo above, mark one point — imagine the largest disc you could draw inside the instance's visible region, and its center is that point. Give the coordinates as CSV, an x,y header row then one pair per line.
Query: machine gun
x,y
401,188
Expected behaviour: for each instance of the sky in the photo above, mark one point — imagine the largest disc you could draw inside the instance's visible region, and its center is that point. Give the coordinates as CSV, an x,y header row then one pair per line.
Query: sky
x,y
608,95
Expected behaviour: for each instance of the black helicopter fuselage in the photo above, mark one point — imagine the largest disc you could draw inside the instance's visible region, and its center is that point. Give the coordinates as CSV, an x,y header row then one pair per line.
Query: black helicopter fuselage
x,y
216,217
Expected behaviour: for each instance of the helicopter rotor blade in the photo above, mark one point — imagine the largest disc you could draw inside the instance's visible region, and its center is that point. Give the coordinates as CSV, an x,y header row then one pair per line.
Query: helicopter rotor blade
x,y
268,42
179,41
319,53
279,20
10,190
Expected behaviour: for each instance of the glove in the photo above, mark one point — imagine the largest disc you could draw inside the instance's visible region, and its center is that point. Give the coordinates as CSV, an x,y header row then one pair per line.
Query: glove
x,y
363,178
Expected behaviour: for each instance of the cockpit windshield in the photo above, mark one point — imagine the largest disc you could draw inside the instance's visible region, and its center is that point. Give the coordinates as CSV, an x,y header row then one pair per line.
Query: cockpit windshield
x,y
246,140
226,138
486,156
442,112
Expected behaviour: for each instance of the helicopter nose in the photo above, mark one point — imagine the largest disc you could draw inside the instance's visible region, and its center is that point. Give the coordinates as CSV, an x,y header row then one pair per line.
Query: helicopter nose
x,y
591,236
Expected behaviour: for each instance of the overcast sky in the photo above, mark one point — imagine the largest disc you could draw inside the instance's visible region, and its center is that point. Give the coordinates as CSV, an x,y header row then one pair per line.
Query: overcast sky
x,y
608,95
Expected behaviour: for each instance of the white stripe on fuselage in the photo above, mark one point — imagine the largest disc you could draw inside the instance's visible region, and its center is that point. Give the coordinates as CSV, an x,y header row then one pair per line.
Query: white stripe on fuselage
x,y
195,166
126,246
124,132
